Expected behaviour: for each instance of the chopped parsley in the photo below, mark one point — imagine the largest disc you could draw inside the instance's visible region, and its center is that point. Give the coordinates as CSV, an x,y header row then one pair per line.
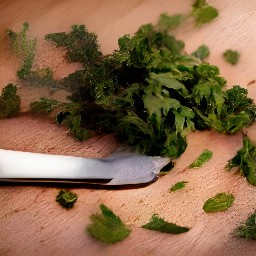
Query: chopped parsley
x,y
231,56
218,203
158,224
66,198
107,227
179,185
205,156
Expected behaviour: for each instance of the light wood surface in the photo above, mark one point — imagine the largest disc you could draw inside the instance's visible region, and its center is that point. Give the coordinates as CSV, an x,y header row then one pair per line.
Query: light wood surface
x,y
31,222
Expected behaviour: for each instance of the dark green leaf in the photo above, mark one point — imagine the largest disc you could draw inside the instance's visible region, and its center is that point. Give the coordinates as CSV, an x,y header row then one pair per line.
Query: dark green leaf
x,y
231,56
245,160
202,159
66,198
167,22
179,185
204,14
218,203
107,227
248,228
158,224
202,52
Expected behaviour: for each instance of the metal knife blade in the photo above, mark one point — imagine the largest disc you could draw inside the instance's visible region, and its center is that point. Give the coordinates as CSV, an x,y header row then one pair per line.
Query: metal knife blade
x,y
121,168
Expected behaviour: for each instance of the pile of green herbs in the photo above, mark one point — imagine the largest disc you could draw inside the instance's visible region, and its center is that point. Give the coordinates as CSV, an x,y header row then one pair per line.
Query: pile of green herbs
x,y
149,92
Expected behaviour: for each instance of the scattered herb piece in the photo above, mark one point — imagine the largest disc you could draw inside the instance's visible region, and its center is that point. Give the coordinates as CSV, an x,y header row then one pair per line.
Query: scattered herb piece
x,y
203,12
66,198
202,52
44,105
245,160
248,228
24,46
9,102
218,203
158,224
179,185
81,45
231,56
107,227
202,159
169,22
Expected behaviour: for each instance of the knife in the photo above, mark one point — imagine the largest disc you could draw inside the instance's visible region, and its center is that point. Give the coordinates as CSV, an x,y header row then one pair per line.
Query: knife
x,y
121,168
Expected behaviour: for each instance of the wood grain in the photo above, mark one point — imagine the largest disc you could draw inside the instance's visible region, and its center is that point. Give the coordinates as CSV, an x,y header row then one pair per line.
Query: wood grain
x,y
32,223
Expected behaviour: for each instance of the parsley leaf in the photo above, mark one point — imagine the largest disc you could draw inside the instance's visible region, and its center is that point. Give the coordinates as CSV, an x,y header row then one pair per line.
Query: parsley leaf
x,y
158,224
245,160
218,203
167,22
203,13
202,52
231,56
107,227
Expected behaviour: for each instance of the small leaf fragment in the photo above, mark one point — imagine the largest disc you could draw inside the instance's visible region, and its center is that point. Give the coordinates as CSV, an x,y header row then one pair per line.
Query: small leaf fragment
x,y
179,185
203,12
158,224
201,52
245,160
202,159
231,56
218,203
66,198
168,22
107,227
248,228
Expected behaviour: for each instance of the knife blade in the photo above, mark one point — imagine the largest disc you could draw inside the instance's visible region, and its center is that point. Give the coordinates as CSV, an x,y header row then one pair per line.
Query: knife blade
x,y
121,168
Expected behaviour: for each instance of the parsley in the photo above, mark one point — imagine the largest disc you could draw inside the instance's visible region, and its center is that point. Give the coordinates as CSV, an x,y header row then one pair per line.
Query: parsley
x,y
158,224
9,102
44,105
66,198
248,228
202,52
245,160
149,92
107,227
167,22
218,203
202,159
231,56
203,12
81,45
179,185
24,46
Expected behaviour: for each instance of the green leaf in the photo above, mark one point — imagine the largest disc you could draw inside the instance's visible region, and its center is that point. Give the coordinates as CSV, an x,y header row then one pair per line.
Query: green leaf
x,y
66,198
245,160
218,203
157,105
167,80
9,102
174,144
204,15
231,56
199,4
202,52
44,105
107,227
179,185
167,22
248,228
158,224
202,159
